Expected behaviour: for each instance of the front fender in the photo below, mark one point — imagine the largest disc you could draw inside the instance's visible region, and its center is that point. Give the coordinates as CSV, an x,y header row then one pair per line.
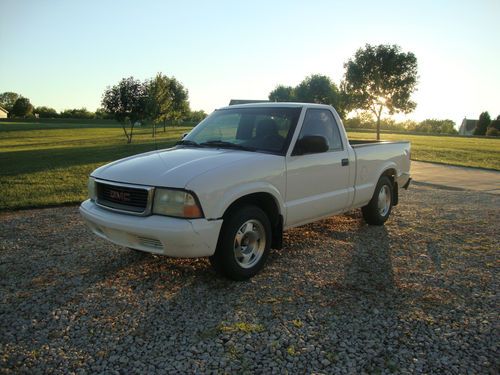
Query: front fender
x,y
218,188
232,195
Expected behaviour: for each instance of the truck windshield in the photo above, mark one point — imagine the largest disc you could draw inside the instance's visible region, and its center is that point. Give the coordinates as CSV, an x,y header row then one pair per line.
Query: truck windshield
x,y
266,129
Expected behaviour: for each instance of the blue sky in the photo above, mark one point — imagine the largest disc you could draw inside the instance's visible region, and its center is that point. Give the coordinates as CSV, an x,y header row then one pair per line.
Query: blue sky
x,y
63,54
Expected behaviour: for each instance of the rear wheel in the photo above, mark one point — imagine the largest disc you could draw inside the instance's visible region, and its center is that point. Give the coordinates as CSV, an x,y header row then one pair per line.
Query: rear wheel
x,y
244,243
377,211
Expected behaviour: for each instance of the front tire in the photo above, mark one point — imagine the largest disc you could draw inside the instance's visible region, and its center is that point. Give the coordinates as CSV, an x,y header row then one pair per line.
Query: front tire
x,y
377,211
244,243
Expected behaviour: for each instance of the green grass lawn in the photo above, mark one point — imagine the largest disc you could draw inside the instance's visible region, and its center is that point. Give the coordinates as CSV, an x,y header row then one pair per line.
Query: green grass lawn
x,y
45,164
48,164
454,150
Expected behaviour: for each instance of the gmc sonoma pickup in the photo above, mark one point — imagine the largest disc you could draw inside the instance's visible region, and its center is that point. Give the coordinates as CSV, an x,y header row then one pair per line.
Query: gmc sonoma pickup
x,y
241,177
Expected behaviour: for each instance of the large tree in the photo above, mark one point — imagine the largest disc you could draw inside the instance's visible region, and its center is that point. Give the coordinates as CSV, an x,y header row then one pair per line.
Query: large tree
x,y
7,100
482,124
381,77
22,107
167,100
126,101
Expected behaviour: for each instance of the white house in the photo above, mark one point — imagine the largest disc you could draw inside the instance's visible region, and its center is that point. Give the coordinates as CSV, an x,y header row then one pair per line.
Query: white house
x,y
467,127
3,113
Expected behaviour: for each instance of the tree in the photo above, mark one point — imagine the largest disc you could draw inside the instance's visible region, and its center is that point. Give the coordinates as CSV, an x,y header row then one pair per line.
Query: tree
x,y
167,100
126,101
22,107
282,94
196,116
78,113
482,124
434,126
101,114
381,77
7,100
317,89
46,112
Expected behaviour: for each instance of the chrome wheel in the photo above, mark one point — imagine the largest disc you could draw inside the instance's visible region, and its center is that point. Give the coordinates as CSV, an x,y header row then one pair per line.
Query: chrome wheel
x,y
249,243
384,200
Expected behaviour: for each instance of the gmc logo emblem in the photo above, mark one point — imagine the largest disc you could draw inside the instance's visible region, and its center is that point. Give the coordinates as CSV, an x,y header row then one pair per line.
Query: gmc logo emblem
x,y
120,195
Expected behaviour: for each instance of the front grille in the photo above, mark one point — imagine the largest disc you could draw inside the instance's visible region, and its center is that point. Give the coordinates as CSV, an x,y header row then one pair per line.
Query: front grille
x,y
122,197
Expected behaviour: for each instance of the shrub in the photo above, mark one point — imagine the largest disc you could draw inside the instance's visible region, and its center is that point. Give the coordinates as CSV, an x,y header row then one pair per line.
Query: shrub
x,y
493,132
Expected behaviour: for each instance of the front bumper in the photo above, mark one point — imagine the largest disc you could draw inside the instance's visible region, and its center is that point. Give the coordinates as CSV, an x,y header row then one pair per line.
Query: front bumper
x,y
155,234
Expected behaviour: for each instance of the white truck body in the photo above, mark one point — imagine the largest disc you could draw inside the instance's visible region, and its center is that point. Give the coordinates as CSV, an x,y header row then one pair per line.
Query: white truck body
x,y
305,188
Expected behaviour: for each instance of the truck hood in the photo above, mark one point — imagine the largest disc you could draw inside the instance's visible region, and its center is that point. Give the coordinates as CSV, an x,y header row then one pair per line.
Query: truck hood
x,y
173,167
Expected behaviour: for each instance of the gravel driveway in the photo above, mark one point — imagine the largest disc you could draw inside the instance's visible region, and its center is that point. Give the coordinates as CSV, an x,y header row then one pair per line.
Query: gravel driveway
x,y
418,295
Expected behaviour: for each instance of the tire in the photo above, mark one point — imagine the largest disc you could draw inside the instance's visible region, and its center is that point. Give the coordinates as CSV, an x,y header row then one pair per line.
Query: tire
x,y
244,243
377,211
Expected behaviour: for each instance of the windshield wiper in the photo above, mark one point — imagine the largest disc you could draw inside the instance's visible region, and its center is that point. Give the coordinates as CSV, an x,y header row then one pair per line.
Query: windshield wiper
x,y
187,142
225,144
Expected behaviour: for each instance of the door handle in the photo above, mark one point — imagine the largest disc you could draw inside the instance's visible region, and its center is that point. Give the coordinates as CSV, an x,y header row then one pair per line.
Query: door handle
x,y
345,162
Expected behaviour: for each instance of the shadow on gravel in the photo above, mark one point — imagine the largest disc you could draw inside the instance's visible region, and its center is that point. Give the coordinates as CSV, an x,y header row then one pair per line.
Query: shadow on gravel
x,y
371,265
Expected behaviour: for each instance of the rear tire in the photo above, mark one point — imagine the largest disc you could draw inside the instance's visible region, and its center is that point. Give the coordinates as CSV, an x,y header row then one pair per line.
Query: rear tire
x,y
244,243
377,211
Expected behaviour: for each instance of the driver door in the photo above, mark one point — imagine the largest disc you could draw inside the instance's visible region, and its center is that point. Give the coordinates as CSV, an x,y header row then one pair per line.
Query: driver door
x,y
317,183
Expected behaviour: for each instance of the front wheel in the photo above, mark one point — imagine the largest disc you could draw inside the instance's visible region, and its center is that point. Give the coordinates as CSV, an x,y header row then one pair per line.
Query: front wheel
x,y
244,243
377,211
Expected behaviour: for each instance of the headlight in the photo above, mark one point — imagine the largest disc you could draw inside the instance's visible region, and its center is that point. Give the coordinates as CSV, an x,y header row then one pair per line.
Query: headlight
x,y
92,186
177,203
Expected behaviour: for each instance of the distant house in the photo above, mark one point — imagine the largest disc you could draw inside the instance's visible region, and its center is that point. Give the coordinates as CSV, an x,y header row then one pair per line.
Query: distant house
x,y
3,113
467,127
245,101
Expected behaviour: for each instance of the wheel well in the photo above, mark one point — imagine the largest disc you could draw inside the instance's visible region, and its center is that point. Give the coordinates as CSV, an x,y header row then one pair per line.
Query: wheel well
x,y
391,173
268,204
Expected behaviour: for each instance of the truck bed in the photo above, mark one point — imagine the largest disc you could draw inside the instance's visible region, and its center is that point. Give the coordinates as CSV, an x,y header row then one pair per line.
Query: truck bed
x,y
369,142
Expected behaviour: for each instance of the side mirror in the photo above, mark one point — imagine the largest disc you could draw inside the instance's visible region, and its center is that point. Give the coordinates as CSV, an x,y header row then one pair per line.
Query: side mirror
x,y
184,135
311,144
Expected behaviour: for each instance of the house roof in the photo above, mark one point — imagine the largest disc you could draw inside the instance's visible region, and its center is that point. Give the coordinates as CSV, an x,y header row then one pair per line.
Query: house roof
x,y
469,124
3,109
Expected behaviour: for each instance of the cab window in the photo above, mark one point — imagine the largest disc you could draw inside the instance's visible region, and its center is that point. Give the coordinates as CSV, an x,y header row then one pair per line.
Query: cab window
x,y
321,122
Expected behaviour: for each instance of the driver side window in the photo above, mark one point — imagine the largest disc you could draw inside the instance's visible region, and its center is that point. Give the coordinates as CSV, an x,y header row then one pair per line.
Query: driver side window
x,y
321,122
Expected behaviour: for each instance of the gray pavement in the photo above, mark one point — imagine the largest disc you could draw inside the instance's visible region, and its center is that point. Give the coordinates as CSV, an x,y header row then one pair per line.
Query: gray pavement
x,y
462,178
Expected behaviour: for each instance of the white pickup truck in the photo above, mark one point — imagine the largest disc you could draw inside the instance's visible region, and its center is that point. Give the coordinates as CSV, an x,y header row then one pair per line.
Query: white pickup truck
x,y
241,177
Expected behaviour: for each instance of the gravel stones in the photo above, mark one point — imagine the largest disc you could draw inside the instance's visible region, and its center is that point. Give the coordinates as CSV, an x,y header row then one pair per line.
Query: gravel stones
x,y
417,295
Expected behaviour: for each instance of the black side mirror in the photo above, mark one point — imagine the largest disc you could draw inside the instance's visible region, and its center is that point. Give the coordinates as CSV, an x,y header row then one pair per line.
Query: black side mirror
x,y
311,144
184,135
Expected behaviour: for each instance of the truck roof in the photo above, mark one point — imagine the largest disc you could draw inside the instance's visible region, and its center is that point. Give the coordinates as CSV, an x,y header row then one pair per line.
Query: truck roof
x,y
277,104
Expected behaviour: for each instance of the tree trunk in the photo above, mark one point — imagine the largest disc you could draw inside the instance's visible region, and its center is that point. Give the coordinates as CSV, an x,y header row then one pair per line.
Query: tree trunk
x,y
164,125
126,133
131,132
379,114
378,128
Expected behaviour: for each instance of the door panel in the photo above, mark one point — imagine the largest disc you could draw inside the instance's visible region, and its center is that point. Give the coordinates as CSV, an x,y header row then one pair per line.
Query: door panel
x,y
317,184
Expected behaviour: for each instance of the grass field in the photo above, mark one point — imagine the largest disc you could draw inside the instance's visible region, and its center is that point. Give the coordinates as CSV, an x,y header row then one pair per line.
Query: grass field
x,y
48,164
464,151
